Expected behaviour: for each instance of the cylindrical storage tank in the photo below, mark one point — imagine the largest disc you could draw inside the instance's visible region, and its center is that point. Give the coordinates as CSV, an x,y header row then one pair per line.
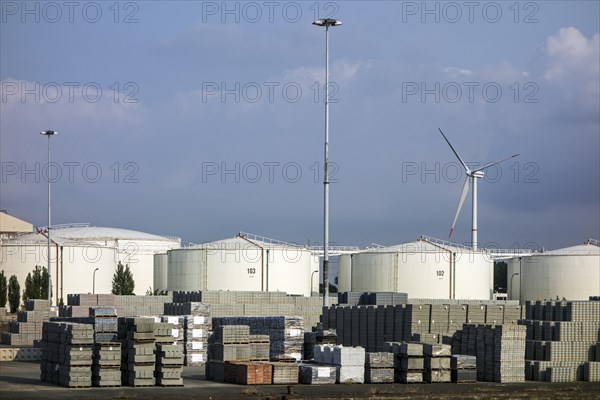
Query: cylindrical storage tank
x,y
423,270
85,248
160,272
242,264
75,267
571,273
345,273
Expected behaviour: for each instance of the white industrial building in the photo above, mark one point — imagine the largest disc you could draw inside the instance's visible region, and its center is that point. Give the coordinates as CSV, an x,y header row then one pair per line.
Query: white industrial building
x,y
242,263
572,273
426,268
78,250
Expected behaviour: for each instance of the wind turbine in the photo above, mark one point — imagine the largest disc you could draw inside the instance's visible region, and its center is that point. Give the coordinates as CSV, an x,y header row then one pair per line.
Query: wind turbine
x,y
472,176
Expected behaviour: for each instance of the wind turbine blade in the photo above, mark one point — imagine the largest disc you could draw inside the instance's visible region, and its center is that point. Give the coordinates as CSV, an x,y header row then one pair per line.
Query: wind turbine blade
x,y
460,202
454,151
494,163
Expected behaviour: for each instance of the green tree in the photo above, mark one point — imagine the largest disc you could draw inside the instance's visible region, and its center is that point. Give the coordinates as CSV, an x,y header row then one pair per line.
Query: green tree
x,y
14,293
36,285
500,276
123,282
3,290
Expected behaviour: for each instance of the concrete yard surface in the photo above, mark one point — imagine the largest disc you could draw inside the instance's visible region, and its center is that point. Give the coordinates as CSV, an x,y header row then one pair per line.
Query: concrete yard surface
x,y
21,380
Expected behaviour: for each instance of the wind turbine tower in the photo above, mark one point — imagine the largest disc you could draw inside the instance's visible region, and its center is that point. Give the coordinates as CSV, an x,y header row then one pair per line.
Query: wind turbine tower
x,y
472,176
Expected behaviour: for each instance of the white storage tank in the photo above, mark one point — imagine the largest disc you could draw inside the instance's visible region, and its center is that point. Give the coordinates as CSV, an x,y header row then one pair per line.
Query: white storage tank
x,y
243,264
160,272
572,273
423,269
77,250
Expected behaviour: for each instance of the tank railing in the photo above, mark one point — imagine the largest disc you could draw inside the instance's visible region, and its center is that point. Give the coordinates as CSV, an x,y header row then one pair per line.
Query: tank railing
x,y
595,242
264,239
335,249
63,226
442,242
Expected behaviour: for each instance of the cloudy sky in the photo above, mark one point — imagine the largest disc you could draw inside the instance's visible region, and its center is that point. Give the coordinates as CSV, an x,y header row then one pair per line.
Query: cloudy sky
x,y
202,119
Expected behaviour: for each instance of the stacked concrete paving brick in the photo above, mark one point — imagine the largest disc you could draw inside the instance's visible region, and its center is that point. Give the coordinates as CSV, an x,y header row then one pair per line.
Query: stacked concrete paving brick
x,y
234,343
105,323
67,354
317,336
412,363
437,363
27,329
424,320
379,367
284,373
169,364
286,333
464,368
233,303
500,351
78,304
562,339
138,358
349,362
193,328
106,366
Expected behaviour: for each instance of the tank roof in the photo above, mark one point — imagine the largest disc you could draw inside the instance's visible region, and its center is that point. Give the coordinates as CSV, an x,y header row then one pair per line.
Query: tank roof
x,y
89,233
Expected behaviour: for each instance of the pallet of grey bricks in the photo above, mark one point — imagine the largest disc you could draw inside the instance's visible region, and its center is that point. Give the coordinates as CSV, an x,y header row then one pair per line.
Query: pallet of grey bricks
x,y
27,329
412,363
284,373
192,326
379,367
106,364
317,336
169,364
437,363
286,333
105,323
78,304
234,343
561,337
500,352
67,354
138,358
463,368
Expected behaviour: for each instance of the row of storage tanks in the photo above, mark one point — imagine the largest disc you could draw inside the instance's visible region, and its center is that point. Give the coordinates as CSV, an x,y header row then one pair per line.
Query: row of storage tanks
x,y
84,260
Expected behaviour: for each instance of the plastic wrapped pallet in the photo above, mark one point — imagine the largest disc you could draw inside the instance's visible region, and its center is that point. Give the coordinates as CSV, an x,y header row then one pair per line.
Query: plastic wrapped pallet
x,y
379,375
313,374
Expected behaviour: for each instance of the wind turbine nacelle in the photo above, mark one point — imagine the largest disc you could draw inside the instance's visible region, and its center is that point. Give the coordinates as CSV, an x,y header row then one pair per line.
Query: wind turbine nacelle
x,y
478,174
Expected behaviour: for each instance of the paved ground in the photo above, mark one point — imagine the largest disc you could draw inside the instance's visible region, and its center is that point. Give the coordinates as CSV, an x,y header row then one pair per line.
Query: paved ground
x,y
21,380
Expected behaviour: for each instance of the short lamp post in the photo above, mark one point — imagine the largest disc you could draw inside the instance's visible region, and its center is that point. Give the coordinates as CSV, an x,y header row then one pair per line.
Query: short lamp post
x,y
511,283
94,281
311,281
